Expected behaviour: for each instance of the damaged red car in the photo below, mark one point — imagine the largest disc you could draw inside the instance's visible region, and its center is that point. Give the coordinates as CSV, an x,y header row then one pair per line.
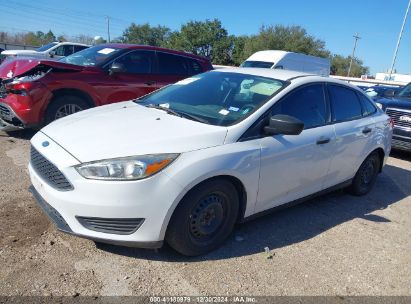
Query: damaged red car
x,y
35,92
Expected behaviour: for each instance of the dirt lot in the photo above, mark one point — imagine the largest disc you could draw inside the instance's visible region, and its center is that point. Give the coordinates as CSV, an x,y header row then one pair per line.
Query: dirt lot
x,y
333,245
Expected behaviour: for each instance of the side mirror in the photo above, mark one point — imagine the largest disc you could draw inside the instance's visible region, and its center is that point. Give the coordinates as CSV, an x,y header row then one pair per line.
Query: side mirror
x,y
389,93
284,124
52,54
117,68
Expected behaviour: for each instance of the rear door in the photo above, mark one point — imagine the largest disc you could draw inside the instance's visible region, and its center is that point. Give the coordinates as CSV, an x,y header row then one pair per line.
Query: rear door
x,y
136,79
294,166
354,128
172,68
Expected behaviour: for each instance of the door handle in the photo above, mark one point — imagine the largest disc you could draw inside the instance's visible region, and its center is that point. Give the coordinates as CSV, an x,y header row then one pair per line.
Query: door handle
x,y
323,141
149,83
366,130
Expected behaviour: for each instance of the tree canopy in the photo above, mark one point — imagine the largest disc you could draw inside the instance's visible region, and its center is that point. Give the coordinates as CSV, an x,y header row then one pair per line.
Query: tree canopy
x,y
210,39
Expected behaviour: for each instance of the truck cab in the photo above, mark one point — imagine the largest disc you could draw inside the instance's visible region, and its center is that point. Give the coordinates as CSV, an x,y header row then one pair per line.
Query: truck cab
x,y
398,107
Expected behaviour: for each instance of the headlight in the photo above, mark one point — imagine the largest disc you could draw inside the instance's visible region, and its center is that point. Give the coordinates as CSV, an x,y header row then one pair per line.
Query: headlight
x,y
378,105
127,168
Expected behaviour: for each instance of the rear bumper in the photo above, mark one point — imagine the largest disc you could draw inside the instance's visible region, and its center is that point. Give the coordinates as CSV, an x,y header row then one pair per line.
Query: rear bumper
x,y
62,225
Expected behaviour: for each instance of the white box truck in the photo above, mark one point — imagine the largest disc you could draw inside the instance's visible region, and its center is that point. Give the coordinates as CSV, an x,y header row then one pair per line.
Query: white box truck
x,y
274,59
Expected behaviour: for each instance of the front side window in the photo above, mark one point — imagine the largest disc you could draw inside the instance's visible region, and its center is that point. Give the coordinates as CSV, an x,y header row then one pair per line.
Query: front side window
x,y
64,50
217,98
137,62
405,92
94,56
307,104
345,104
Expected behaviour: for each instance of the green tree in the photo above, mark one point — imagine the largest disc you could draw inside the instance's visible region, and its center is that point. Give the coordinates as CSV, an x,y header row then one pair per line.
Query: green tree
x,y
286,38
146,34
206,38
340,65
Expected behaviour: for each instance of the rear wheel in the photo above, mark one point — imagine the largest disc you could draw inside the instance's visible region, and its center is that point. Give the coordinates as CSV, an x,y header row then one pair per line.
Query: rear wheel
x,y
64,106
366,175
204,218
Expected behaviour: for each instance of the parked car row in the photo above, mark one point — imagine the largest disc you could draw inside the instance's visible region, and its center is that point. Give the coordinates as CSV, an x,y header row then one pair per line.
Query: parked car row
x,y
35,92
193,151
55,50
186,163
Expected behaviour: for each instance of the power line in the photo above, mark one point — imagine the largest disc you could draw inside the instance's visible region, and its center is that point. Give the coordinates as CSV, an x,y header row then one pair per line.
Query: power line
x,y
356,37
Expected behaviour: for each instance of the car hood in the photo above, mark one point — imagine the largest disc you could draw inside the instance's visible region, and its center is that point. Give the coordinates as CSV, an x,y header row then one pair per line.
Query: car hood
x,y
19,66
127,129
395,102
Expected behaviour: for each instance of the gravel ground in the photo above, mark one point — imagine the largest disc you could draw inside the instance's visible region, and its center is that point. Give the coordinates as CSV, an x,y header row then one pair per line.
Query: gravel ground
x,y
333,245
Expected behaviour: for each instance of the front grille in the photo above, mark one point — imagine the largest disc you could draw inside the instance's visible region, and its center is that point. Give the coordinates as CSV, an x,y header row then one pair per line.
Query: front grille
x,y
4,111
401,118
3,92
111,225
49,172
400,144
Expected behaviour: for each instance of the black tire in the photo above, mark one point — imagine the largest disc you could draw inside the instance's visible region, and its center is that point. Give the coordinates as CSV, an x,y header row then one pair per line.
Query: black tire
x,y
64,106
366,175
204,218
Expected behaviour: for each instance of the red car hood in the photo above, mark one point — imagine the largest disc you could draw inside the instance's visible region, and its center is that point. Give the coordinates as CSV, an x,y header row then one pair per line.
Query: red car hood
x,y
14,67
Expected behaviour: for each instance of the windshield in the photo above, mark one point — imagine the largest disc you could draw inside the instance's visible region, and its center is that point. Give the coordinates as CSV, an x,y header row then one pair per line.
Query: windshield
x,y
217,98
405,92
94,56
46,47
257,64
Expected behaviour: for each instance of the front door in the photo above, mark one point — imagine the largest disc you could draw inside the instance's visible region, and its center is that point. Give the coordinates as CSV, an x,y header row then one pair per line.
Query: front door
x,y
136,79
295,166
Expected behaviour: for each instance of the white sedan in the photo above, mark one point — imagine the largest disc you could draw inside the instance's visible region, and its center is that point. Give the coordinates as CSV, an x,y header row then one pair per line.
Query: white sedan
x,y
186,163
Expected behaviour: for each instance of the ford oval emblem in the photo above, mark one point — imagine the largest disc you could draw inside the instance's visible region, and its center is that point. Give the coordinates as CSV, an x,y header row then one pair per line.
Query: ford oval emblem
x,y
45,143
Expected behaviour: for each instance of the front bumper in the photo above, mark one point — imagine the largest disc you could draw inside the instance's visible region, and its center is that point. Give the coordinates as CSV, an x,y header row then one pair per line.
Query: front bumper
x,y
9,121
64,227
401,139
151,199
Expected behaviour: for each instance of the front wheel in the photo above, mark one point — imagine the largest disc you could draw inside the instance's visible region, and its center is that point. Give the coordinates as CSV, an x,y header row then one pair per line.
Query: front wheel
x,y
204,218
64,106
366,175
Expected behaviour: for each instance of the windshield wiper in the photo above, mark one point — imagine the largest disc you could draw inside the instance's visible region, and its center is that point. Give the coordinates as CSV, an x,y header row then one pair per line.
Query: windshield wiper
x,y
168,110
193,117
177,113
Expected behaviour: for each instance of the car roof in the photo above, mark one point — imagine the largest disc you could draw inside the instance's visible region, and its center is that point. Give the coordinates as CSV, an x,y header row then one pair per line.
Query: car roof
x,y
285,75
149,47
73,43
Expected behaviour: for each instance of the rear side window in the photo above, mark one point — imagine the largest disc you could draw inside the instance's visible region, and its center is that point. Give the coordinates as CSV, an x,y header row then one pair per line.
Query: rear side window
x,y
368,107
345,104
170,64
306,103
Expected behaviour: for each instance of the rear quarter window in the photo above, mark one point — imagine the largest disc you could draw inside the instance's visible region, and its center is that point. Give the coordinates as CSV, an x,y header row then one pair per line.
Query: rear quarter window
x,y
368,106
345,104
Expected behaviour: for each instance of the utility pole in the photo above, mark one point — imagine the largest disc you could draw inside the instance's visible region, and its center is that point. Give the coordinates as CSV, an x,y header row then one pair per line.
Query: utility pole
x,y
399,40
356,37
108,28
